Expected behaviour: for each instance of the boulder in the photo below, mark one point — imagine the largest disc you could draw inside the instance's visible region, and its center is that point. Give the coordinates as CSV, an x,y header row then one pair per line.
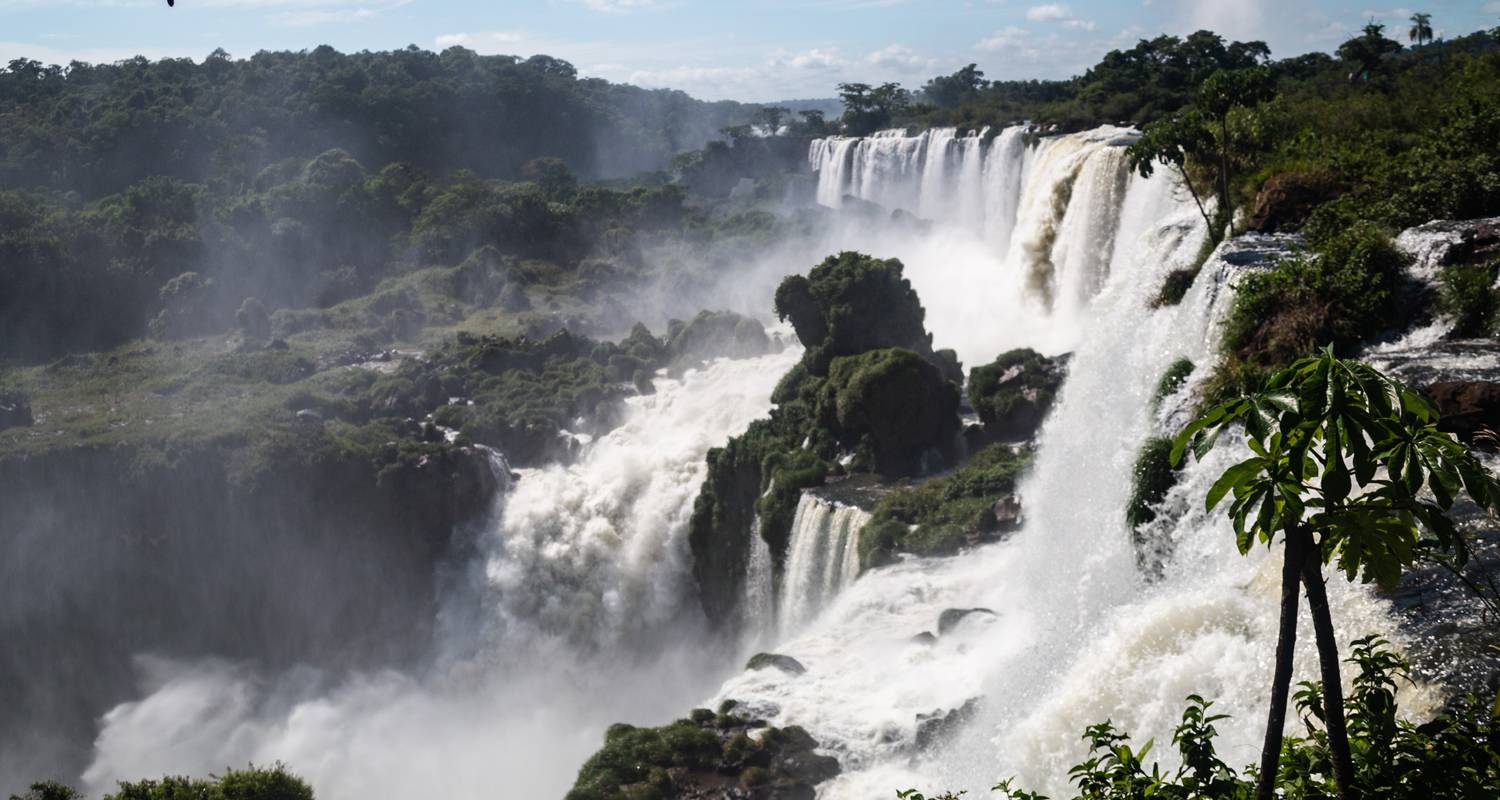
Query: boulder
x,y
1286,200
1013,394
15,410
935,727
949,619
1007,511
715,334
786,664
1467,406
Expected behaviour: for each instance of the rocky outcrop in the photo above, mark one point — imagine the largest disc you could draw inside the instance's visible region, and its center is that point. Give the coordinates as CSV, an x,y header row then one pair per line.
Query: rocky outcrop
x,y
1467,407
938,726
951,617
1013,394
1286,200
868,395
716,334
787,664
15,410
708,756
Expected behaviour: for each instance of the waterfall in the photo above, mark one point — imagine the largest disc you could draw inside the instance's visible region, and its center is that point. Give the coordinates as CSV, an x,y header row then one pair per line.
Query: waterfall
x,y
822,557
759,615
1078,635
577,611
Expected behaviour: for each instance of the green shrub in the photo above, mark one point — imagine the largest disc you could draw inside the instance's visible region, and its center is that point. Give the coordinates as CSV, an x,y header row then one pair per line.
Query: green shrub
x,y
1172,380
1467,294
630,756
252,783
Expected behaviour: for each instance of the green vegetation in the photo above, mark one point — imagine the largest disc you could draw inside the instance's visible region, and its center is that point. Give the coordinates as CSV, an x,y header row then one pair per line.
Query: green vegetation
x,y
1132,86
1013,393
1456,756
696,755
1349,467
1172,380
1468,295
251,783
1339,292
942,515
868,385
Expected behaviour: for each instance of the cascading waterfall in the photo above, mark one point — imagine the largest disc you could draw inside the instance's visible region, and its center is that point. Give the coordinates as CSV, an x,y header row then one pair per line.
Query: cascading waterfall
x,y
1078,635
822,557
578,611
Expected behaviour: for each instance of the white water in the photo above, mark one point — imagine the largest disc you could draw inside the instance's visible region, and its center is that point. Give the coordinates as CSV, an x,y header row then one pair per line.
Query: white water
x,y
1079,635
822,558
579,611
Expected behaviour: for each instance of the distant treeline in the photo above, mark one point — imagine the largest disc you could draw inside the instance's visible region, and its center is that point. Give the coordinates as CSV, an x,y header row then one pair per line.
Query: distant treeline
x,y
97,129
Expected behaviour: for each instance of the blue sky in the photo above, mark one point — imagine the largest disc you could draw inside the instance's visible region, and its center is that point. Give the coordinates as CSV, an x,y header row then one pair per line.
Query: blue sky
x,y
773,49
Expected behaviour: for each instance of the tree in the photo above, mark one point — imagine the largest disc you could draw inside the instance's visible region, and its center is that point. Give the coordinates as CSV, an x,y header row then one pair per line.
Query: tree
x,y
772,116
1421,28
1341,456
951,91
868,109
1367,50
1199,136
813,123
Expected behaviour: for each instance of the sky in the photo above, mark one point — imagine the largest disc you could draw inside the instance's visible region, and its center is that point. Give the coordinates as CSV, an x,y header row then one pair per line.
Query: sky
x,y
713,49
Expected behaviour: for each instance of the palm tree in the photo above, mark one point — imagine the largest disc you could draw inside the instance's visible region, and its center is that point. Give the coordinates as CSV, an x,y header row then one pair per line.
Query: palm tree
x,y
1421,28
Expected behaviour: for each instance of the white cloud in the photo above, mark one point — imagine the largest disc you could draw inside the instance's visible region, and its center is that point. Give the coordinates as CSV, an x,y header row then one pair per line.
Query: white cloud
x,y
816,58
1003,39
897,55
1059,13
313,17
485,42
1052,12
622,6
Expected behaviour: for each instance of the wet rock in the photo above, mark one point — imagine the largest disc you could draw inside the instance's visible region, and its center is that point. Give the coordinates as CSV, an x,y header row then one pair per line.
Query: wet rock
x,y
15,411
786,664
949,619
1286,200
715,334
1467,407
939,725
1013,394
1007,513
925,638
309,416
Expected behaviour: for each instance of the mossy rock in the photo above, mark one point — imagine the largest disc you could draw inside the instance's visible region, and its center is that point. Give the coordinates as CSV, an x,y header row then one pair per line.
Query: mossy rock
x,y
896,399
716,334
786,664
1013,393
1153,477
851,303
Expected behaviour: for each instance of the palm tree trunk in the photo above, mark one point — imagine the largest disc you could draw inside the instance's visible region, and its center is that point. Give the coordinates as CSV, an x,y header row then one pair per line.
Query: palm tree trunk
x,y
1294,554
1333,686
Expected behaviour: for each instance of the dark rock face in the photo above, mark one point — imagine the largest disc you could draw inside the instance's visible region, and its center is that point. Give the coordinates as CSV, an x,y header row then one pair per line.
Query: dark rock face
x,y
15,410
1013,394
1008,516
1286,200
1467,406
936,727
319,559
786,664
949,619
708,756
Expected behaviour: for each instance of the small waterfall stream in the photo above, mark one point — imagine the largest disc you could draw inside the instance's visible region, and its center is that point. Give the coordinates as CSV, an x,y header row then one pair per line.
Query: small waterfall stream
x,y
822,558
